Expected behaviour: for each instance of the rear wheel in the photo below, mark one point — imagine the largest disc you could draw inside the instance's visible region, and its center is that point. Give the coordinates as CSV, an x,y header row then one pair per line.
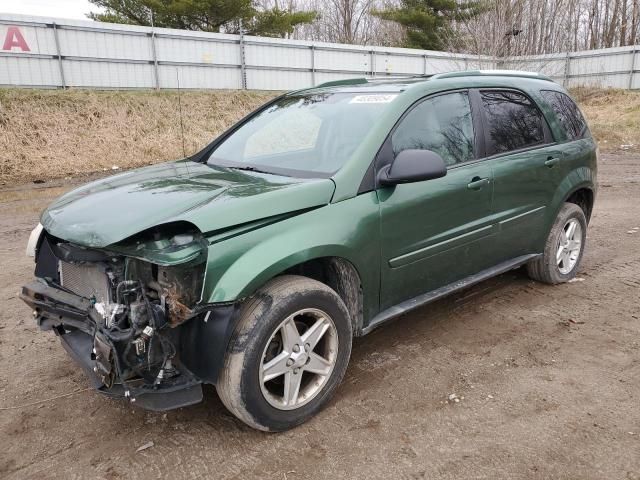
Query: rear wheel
x,y
288,354
564,248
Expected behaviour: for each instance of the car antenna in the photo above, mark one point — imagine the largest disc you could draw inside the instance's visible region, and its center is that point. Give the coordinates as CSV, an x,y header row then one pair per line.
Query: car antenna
x,y
179,102
184,152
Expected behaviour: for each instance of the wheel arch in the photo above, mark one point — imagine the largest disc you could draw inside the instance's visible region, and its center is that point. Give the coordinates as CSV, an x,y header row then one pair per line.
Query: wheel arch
x,y
212,337
584,197
577,186
330,265
340,275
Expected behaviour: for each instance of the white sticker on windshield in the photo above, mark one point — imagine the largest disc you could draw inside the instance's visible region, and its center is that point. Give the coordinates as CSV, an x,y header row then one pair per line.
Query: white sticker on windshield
x,y
377,98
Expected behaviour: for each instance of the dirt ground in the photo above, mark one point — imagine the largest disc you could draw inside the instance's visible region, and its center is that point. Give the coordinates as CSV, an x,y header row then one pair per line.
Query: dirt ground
x,y
548,377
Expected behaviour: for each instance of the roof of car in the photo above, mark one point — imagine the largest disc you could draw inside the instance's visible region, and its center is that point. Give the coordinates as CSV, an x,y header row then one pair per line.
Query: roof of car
x,y
399,83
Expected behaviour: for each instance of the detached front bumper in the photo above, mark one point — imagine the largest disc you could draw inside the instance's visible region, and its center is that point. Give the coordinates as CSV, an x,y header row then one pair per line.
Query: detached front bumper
x,y
75,322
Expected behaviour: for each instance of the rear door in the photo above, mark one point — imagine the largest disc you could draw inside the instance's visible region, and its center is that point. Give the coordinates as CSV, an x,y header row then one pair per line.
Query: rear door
x,y
432,231
526,167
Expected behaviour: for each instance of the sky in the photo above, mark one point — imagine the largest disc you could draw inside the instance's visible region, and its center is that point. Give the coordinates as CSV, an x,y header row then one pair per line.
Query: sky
x,y
76,9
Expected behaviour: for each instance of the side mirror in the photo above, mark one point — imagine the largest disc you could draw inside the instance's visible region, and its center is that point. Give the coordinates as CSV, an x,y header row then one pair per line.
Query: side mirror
x,y
413,166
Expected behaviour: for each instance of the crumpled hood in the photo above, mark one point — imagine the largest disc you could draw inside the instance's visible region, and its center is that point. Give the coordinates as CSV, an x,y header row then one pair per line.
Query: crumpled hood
x,y
107,211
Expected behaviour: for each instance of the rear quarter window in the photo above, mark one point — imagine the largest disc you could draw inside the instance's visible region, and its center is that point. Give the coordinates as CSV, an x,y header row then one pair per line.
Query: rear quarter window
x,y
568,113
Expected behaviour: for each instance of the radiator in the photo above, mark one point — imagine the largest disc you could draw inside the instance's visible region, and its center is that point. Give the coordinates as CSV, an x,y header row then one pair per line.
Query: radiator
x,y
85,280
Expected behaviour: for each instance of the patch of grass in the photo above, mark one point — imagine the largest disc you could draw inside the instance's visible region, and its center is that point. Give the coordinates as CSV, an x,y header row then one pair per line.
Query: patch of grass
x,y
613,116
47,134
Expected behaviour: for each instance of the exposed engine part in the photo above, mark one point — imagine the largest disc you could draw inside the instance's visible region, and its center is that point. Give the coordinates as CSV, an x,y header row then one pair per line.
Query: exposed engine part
x,y
138,314
158,317
160,377
87,280
134,302
141,342
109,311
125,288
141,345
181,287
167,371
178,312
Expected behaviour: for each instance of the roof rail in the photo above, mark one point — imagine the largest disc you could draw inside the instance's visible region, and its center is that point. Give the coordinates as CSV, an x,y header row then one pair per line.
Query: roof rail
x,y
400,76
495,73
438,76
348,81
381,78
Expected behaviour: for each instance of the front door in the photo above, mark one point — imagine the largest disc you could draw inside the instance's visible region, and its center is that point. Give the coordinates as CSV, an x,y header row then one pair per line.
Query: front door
x,y
434,232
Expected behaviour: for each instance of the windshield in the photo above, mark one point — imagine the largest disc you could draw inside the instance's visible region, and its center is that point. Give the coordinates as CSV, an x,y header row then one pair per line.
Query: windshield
x,y
303,135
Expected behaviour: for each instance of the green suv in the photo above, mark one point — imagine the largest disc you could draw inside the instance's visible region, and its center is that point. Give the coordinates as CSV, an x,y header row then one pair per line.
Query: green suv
x,y
328,211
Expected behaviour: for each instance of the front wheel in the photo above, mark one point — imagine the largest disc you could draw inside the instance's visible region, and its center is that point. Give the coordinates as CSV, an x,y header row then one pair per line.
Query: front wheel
x,y
288,354
564,248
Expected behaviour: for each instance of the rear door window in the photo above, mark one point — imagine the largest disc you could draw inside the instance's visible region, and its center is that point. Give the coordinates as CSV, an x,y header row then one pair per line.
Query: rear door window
x,y
568,114
512,121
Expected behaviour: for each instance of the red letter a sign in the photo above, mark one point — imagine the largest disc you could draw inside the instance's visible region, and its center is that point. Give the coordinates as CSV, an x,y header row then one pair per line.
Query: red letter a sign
x,y
13,39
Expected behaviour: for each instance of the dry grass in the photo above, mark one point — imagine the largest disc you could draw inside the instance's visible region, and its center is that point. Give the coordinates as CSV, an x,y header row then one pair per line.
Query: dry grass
x,y
54,134
613,116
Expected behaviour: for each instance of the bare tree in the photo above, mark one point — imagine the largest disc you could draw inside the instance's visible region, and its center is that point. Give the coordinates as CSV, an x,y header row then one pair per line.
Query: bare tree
x,y
528,27
508,28
633,33
348,21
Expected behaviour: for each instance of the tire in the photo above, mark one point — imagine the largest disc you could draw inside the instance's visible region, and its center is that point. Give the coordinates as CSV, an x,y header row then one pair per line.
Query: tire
x,y
547,268
260,337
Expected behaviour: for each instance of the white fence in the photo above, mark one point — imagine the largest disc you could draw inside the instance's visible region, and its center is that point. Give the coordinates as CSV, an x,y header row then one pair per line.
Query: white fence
x,y
53,53
609,67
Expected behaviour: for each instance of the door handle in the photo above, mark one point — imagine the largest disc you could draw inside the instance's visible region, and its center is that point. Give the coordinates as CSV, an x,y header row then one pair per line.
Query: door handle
x,y
552,161
477,183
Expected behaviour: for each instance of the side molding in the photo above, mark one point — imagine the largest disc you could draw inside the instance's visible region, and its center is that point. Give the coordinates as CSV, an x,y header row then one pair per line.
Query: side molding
x,y
434,295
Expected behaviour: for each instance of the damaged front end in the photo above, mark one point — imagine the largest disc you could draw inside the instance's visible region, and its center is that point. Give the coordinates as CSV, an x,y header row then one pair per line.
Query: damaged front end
x,y
124,312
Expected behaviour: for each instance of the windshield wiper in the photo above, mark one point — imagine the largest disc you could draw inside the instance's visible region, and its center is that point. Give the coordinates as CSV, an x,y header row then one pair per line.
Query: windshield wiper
x,y
254,169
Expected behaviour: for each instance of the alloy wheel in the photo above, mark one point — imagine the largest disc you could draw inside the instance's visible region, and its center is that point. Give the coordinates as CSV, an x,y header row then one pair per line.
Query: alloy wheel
x,y
298,359
569,246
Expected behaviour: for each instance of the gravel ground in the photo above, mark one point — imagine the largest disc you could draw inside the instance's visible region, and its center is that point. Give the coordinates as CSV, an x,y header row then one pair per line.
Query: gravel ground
x,y
547,380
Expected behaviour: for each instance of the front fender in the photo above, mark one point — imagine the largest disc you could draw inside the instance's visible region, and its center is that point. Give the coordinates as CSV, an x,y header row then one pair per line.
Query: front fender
x,y
238,266
266,266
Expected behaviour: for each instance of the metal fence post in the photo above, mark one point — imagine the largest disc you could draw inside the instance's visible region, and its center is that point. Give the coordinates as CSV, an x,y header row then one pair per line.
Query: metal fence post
x,y
313,66
633,67
373,63
59,54
567,66
243,68
154,53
